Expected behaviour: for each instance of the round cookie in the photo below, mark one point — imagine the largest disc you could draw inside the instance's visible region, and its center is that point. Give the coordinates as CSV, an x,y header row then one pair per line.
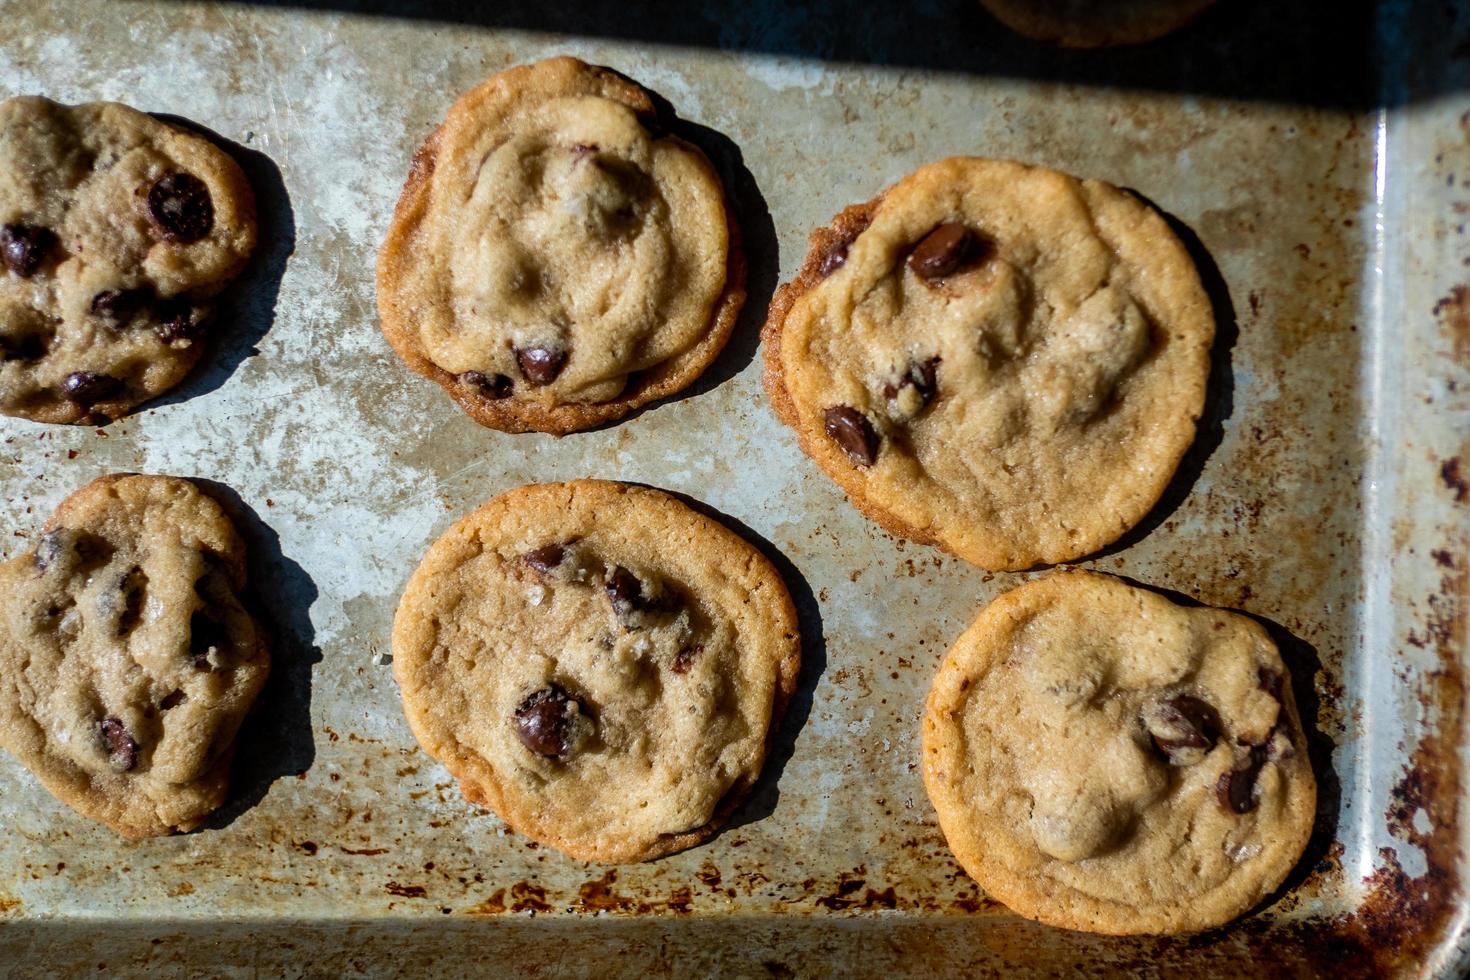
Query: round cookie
x,y
556,259
1090,24
116,232
996,358
599,664
1104,759
127,661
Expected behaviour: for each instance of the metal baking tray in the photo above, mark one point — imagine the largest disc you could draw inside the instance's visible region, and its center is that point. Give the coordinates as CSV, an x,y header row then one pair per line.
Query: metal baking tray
x,y
1315,157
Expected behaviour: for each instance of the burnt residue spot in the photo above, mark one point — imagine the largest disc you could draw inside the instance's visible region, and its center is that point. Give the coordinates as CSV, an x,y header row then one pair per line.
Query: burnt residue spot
x,y
779,970
526,897
1442,558
308,846
406,891
598,896
680,899
494,905
1453,311
710,875
1450,475
845,895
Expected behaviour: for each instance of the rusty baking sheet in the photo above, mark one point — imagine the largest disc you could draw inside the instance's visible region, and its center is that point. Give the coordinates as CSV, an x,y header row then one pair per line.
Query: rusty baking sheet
x,y
1319,165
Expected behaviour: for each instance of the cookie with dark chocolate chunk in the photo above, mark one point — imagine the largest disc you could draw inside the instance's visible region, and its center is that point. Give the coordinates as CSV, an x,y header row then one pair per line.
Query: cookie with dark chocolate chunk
x,y
995,358
117,231
557,257
1104,759
127,659
603,692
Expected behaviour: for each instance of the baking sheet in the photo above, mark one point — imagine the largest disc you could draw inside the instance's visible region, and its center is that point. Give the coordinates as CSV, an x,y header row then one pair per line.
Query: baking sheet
x,y
1324,495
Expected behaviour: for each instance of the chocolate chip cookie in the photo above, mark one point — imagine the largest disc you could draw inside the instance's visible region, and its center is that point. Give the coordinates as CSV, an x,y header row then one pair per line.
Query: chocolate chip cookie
x,y
1094,24
598,663
116,232
127,661
996,358
1104,759
557,259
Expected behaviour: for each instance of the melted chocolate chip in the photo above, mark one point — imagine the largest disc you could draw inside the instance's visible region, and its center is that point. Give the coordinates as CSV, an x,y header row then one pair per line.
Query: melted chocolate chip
x,y
922,376
851,430
180,207
942,251
1185,723
28,348
832,261
545,558
122,750
23,247
496,386
118,304
205,634
625,591
1270,681
87,389
176,321
1236,788
542,723
49,548
684,659
540,365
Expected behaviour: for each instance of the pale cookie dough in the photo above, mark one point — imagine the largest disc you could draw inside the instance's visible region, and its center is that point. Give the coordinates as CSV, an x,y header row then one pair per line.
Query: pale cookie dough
x,y
1095,23
996,358
557,260
1103,759
127,661
117,230
599,664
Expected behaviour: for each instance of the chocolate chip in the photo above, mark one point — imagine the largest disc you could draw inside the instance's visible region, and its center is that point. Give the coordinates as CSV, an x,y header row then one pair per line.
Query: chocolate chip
x,y
118,304
176,321
1236,788
1183,728
496,386
851,430
540,365
49,548
625,591
122,750
942,251
543,723
832,261
206,635
87,389
1269,681
23,247
28,348
180,206
922,376
545,558
684,659
583,150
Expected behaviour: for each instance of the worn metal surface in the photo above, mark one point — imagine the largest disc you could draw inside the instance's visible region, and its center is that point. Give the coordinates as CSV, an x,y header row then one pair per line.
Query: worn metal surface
x,y
1329,495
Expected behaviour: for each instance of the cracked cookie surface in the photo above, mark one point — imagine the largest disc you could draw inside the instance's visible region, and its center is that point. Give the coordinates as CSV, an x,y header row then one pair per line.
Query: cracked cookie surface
x,y
127,661
556,259
598,663
117,230
1093,24
996,358
1104,759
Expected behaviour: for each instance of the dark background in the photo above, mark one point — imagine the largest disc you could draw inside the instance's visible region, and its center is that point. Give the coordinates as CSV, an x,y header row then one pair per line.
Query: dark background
x,y
1298,51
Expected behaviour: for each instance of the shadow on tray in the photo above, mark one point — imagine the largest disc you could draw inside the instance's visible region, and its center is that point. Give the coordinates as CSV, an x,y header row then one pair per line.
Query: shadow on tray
x,y
1260,50
276,738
